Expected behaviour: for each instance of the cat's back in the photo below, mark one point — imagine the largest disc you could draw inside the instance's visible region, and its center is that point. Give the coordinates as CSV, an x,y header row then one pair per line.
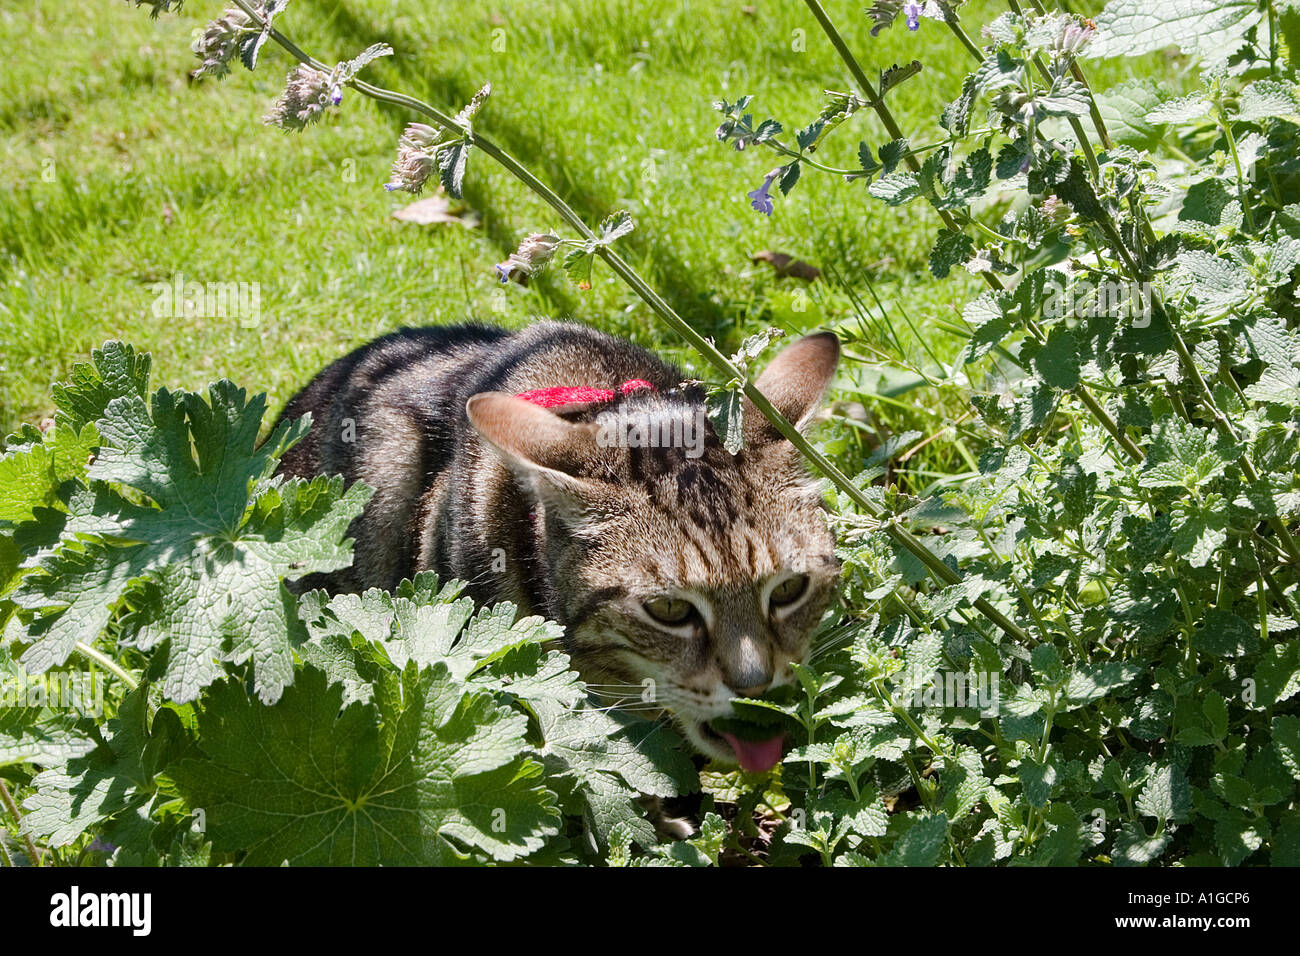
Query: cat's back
x,y
392,414
409,372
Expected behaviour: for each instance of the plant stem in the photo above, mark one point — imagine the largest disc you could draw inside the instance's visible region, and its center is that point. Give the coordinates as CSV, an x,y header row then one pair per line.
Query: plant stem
x,y
1078,74
7,799
878,104
1224,427
106,662
887,118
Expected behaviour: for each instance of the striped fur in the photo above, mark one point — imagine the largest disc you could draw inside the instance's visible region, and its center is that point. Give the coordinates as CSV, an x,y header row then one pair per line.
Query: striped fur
x,y
537,508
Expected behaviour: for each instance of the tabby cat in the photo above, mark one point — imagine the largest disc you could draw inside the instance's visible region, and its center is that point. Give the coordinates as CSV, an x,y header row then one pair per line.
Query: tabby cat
x,y
575,474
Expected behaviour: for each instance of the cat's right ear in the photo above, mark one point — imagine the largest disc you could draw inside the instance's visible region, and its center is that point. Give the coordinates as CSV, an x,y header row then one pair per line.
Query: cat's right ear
x,y
795,382
531,438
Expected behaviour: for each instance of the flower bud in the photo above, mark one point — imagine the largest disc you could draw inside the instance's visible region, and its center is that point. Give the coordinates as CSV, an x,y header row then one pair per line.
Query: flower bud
x,y
308,93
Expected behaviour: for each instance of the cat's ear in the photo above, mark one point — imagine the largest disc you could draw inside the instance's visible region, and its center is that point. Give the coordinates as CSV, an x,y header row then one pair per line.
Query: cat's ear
x,y
532,438
795,382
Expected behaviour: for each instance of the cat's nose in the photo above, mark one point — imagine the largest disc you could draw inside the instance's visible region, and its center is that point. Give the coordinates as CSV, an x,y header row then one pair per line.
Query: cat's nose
x,y
747,668
752,690
751,682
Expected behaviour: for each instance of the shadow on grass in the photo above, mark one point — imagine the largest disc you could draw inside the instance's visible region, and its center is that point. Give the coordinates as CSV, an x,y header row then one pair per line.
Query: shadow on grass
x,y
448,92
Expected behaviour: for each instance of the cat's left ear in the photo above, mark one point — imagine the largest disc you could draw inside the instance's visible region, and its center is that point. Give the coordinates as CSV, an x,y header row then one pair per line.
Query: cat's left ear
x,y
533,439
795,382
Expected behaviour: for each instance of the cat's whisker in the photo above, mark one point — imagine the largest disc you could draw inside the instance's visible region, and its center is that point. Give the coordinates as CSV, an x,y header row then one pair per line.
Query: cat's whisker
x,y
654,729
827,649
627,709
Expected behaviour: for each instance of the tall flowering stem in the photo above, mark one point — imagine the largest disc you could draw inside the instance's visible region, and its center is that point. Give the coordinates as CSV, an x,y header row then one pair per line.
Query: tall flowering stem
x,y
1098,412
904,538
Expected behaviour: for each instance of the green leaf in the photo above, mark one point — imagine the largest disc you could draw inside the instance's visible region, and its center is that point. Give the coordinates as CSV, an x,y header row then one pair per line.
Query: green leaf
x,y
1286,840
1225,634
1238,836
1181,455
1134,847
989,315
922,656
1166,795
891,155
963,783
613,757
31,475
429,774
116,777
896,75
896,189
1286,741
1215,709
614,226
1124,109
39,730
1134,27
725,408
115,371
1065,97
365,58
921,845
227,602
1038,780
1265,99
451,166
206,549
1179,110
577,263
1277,675
950,249
1057,362
956,115
1091,683
789,176
1216,282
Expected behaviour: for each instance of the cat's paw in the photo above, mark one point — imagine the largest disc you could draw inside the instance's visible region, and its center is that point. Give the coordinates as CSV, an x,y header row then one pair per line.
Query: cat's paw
x,y
666,828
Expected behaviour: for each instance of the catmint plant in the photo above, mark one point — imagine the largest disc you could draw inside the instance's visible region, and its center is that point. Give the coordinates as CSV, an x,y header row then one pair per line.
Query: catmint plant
x,y
1083,650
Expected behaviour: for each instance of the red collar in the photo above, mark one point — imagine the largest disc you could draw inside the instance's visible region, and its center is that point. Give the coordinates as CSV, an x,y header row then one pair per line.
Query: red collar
x,y
561,395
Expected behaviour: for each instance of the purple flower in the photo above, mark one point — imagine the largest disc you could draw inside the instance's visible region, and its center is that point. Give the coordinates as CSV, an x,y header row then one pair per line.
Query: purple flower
x,y
415,158
308,93
913,13
531,256
759,198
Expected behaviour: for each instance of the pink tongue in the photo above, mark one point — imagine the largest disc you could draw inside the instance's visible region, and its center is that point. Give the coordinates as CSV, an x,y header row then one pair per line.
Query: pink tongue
x,y
756,756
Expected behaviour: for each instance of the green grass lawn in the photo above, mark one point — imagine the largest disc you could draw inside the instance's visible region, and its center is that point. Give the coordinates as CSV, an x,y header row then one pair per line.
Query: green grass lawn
x,y
120,173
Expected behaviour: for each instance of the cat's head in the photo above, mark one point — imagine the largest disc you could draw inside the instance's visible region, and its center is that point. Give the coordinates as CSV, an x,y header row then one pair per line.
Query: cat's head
x,y
684,575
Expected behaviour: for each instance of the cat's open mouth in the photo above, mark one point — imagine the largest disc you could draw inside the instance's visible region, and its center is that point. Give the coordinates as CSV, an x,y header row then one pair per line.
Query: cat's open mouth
x,y
757,748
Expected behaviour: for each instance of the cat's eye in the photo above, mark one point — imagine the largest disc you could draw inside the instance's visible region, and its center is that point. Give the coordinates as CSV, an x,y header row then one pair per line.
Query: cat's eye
x,y
789,590
669,610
